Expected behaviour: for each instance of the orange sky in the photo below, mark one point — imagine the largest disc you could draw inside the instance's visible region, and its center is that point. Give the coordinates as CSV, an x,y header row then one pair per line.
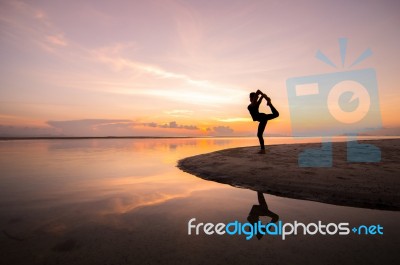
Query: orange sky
x,y
179,68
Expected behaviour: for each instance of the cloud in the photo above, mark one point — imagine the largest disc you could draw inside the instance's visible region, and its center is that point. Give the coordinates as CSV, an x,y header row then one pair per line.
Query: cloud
x,y
150,124
179,112
86,122
57,40
135,73
94,127
181,86
112,55
171,125
109,127
220,130
27,131
30,25
237,119
385,131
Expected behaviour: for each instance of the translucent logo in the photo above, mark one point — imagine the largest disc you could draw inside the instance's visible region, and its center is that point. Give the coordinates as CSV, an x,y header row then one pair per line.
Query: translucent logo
x,y
335,104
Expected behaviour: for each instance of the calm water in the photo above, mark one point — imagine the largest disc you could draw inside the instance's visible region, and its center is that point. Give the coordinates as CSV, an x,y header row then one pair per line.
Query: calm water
x,y
123,201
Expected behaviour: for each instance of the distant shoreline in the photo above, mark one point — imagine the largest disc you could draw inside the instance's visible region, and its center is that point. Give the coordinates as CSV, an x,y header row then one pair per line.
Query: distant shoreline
x,y
92,137
12,138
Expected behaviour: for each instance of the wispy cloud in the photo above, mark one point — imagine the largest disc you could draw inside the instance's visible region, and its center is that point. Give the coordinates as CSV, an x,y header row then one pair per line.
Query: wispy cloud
x,y
107,127
30,25
92,127
179,112
113,56
27,131
234,119
147,79
57,40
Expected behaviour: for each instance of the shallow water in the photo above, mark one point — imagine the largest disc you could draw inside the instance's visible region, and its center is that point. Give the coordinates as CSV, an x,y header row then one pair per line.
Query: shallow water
x,y
123,201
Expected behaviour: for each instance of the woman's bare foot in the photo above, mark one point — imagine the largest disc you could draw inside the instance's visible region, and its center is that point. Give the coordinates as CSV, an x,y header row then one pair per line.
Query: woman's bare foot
x,y
262,151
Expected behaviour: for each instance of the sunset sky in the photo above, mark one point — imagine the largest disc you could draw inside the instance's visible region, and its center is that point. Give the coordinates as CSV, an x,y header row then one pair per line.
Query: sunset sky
x,y
180,68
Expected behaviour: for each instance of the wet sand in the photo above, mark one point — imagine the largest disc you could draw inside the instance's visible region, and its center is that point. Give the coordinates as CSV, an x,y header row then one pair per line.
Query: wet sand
x,y
366,185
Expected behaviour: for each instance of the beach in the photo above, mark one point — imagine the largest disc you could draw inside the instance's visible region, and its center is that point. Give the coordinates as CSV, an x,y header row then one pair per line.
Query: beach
x,y
358,184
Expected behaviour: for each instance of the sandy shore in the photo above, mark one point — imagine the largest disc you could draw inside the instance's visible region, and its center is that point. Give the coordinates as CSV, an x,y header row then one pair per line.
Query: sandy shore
x,y
368,185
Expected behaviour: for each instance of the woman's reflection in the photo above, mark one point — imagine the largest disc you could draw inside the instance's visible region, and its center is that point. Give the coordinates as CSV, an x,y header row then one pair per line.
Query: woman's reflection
x,y
261,210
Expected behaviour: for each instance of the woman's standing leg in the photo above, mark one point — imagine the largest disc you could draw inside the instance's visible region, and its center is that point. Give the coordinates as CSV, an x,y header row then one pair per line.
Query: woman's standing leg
x,y
260,132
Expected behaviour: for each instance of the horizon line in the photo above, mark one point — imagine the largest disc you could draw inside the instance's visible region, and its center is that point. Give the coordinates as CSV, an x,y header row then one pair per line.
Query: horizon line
x,y
5,138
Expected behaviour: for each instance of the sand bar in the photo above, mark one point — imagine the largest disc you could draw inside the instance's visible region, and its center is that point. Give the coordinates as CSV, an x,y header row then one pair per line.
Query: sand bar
x,y
367,185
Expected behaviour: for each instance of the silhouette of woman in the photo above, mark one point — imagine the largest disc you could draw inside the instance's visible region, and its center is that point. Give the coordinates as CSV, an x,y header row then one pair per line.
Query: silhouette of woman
x,y
262,118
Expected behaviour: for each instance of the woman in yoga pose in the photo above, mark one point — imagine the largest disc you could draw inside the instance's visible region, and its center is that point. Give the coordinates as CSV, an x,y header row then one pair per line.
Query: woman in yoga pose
x,y
262,118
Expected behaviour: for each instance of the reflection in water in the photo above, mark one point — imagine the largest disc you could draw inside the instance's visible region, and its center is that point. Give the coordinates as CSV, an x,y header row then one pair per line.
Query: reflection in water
x,y
261,210
92,179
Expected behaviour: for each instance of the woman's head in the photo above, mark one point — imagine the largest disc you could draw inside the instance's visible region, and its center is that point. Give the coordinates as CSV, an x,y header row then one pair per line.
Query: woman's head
x,y
252,95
